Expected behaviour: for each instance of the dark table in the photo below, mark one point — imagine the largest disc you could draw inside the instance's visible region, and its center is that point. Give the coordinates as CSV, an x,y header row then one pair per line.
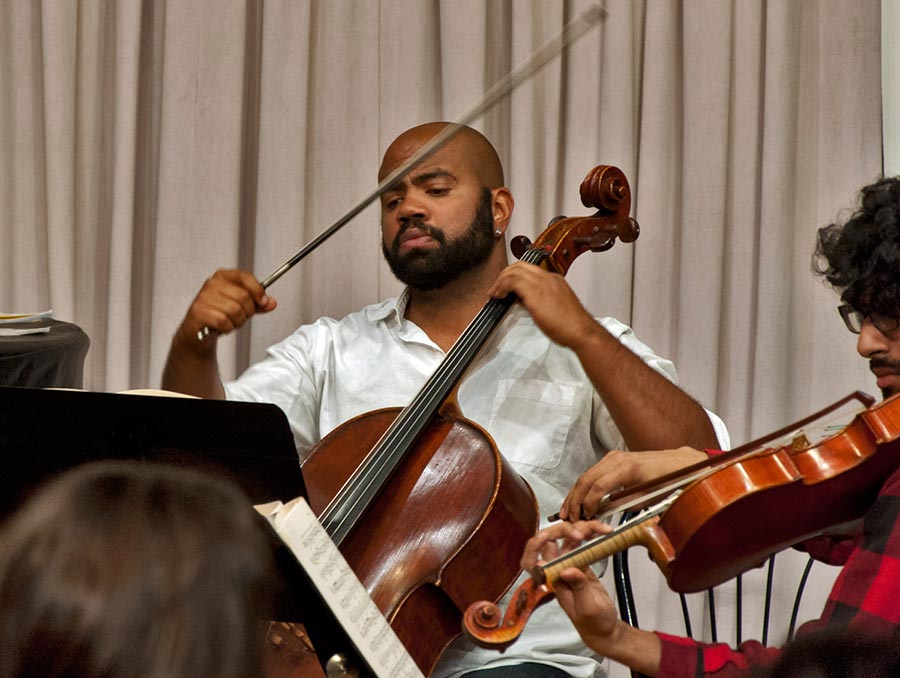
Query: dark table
x,y
50,359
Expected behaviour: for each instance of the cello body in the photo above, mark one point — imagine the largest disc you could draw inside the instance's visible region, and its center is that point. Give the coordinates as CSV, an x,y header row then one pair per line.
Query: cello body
x,y
453,505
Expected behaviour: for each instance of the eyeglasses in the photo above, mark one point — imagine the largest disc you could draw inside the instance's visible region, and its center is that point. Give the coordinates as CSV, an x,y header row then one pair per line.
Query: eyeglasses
x,y
854,320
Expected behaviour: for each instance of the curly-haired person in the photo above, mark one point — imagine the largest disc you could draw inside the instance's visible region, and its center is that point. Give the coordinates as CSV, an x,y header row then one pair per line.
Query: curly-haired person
x,y
861,260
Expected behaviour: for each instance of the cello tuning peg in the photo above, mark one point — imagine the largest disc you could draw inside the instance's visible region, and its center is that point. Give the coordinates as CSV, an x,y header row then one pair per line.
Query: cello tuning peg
x,y
628,230
555,220
519,245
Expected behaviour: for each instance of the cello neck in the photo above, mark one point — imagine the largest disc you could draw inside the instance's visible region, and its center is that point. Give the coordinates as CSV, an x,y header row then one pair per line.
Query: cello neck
x,y
348,505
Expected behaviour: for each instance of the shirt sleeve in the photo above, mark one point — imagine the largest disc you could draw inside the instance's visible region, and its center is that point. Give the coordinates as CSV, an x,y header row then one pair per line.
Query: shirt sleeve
x,y
720,430
287,378
828,549
865,595
607,431
687,658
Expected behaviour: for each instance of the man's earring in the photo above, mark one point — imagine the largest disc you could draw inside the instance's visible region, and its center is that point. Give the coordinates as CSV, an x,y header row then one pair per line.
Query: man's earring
x,y
498,232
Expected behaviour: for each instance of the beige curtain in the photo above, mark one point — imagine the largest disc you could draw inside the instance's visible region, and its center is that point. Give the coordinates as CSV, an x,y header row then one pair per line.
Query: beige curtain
x,y
147,143
890,84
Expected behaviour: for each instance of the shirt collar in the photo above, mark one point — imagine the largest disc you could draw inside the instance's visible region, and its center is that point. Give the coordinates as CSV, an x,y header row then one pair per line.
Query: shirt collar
x,y
395,306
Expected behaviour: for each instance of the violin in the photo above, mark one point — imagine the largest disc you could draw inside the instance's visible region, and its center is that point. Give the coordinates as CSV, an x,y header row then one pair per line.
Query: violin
x,y
817,426
733,518
419,499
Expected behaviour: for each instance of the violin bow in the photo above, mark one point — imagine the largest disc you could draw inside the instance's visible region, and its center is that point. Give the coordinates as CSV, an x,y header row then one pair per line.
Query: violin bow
x,y
628,498
538,59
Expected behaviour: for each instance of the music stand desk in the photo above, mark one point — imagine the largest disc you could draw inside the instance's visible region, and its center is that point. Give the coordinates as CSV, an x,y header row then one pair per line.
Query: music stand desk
x,y
46,432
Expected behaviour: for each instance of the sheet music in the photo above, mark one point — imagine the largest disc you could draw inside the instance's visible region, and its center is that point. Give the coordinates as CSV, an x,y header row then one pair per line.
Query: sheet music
x,y
21,331
342,591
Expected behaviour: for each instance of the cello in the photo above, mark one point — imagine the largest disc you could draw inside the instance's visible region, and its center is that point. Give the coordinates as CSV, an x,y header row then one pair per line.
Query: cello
x,y
732,519
381,483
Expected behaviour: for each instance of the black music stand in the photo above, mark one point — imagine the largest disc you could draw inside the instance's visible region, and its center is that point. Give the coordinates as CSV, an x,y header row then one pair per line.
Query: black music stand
x,y
46,432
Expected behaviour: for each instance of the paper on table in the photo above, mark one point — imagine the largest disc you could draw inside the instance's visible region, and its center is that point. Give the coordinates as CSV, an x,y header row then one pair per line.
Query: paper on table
x,y
348,599
156,392
24,317
19,331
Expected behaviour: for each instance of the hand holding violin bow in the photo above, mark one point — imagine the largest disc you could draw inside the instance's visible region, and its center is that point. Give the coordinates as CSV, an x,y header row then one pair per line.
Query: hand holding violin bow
x,y
618,470
227,300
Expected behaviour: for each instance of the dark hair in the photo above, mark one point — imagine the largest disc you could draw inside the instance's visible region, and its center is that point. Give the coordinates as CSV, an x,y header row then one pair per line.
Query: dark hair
x,y
861,258
127,570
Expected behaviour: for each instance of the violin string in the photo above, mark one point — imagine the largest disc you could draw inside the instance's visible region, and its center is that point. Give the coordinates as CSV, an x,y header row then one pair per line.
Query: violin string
x,y
348,504
566,559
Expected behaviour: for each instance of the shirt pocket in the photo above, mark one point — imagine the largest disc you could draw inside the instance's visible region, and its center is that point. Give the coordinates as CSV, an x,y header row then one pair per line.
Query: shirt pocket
x,y
530,420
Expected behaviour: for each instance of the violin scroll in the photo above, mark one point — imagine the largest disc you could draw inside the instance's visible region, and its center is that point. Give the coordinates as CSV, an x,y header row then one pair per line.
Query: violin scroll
x,y
486,626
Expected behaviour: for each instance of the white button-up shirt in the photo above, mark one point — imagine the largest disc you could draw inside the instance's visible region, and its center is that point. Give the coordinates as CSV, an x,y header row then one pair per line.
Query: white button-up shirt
x,y
529,393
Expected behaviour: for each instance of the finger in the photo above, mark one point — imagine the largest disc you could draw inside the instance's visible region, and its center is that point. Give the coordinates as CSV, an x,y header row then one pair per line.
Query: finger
x,y
543,545
574,501
236,300
216,319
235,293
515,278
592,528
615,471
549,551
246,281
533,548
580,532
574,578
573,505
224,310
598,495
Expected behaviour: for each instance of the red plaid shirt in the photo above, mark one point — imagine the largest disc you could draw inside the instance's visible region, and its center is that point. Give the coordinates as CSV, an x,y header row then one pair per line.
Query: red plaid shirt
x,y
865,596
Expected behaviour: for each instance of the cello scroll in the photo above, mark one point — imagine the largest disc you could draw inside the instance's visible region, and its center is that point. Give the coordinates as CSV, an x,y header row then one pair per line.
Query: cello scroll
x,y
604,188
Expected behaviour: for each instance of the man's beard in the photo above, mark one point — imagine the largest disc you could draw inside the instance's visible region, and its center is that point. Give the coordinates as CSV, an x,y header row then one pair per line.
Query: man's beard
x,y
432,268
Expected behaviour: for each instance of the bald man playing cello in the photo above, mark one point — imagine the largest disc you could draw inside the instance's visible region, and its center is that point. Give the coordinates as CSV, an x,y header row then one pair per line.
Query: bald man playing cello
x,y
556,390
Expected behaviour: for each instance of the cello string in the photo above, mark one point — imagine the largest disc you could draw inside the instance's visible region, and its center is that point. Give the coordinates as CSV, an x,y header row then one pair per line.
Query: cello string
x,y
368,478
348,504
426,401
